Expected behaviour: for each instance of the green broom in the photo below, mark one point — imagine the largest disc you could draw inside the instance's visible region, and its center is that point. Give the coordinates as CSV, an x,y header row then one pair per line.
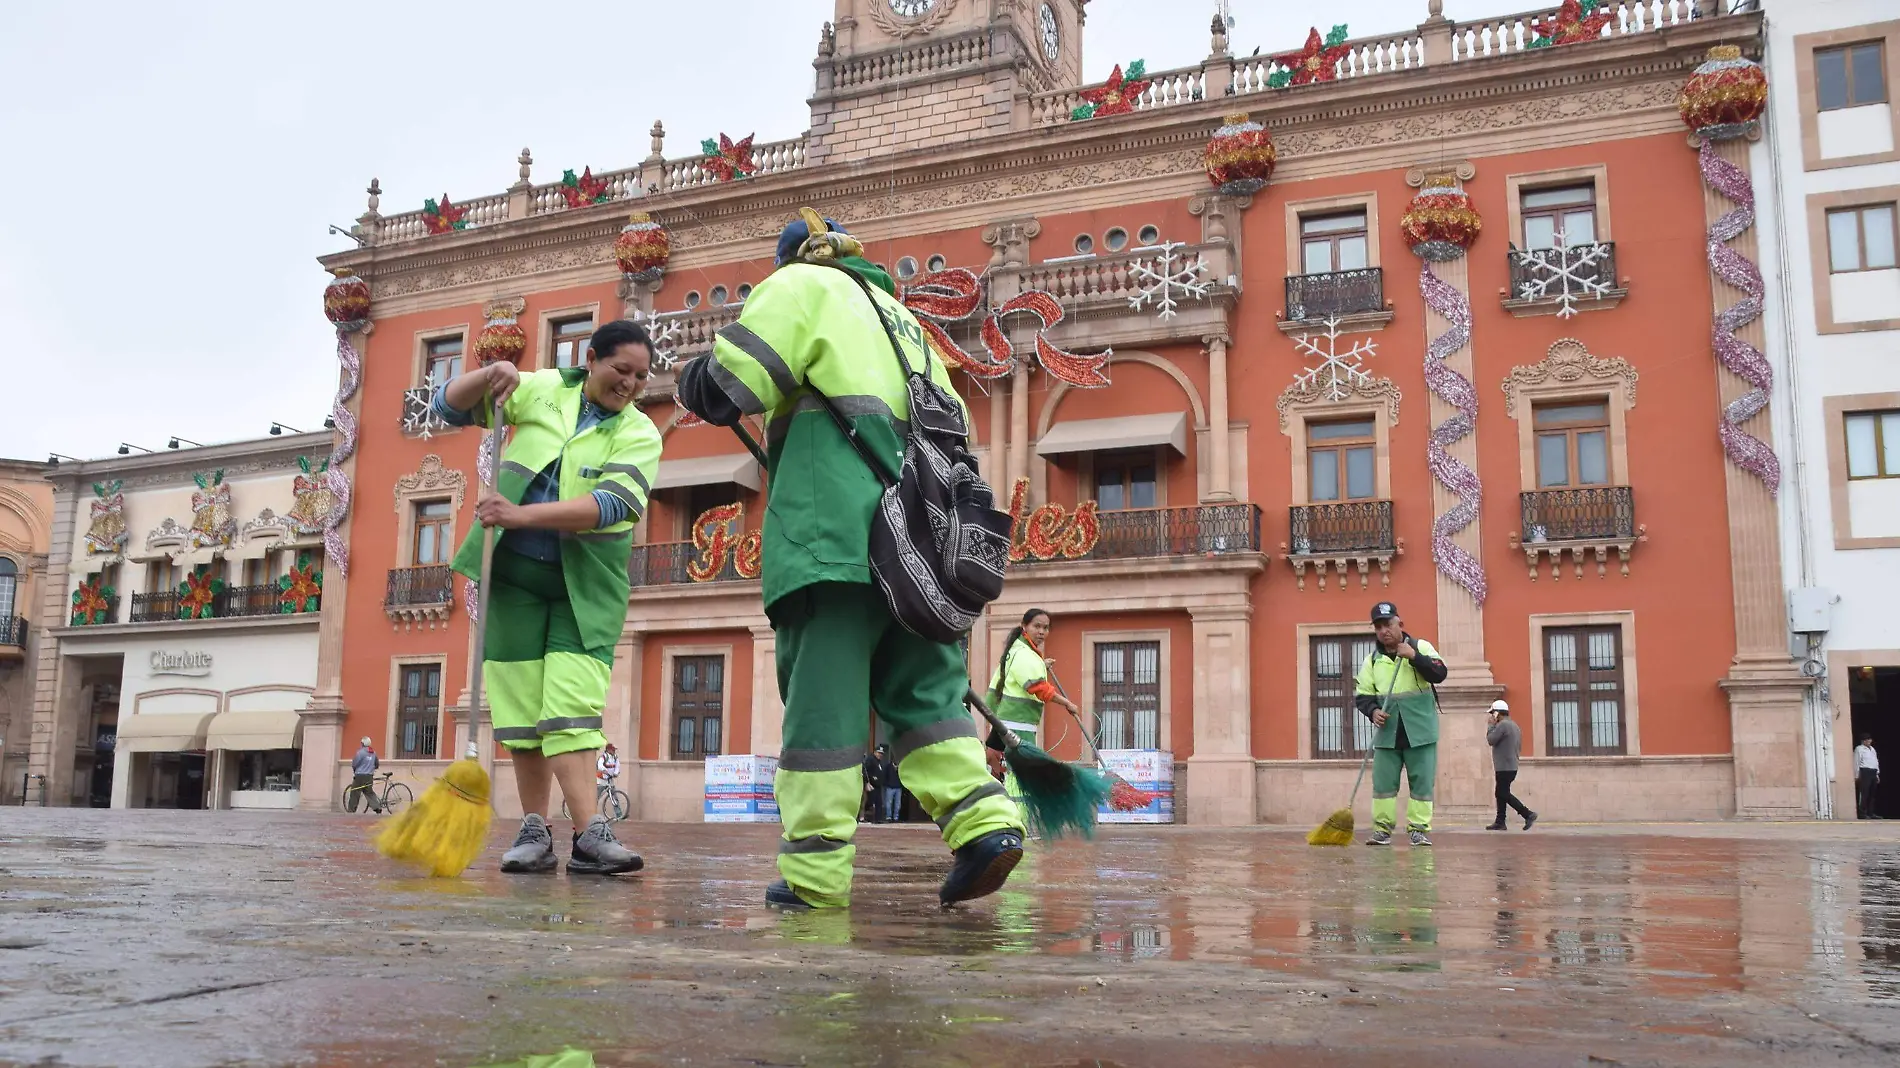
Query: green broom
x,y
1123,796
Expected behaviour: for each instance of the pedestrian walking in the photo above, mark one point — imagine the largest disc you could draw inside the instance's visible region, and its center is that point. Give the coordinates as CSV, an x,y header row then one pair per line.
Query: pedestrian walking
x,y
1866,777
571,484
875,765
828,357
893,791
1394,690
1506,740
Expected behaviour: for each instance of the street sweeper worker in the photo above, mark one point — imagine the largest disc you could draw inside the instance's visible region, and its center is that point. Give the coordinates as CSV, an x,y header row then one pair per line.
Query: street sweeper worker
x,y
1394,690
571,483
812,326
1021,685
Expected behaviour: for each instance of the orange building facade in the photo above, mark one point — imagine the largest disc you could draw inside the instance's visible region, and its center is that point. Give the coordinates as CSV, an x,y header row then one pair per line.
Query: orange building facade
x,y
1260,461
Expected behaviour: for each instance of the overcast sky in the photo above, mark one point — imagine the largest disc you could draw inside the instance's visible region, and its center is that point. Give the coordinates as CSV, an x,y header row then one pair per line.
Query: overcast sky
x,y
172,166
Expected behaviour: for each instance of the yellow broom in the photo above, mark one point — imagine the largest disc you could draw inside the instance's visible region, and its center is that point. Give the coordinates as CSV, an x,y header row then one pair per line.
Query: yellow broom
x,y
1337,830
445,830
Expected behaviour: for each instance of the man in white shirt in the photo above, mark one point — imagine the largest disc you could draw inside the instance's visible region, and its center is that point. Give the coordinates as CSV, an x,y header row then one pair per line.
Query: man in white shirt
x,y
1866,777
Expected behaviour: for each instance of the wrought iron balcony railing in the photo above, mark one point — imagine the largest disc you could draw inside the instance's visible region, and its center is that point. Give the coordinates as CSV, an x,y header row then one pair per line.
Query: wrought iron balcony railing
x,y
664,563
420,586
13,632
1564,277
154,607
1336,293
1194,531
1343,527
233,602
1589,513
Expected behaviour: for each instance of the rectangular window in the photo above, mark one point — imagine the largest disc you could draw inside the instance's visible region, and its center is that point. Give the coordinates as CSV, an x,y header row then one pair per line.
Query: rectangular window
x,y
1583,690
1861,239
1125,480
1849,76
162,576
570,341
1341,460
1565,216
1873,445
443,359
418,711
698,706
1573,444
1333,242
1128,695
431,543
1339,731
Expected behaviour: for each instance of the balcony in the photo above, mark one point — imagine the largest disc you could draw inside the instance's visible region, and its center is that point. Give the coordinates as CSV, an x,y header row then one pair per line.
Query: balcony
x,y
1201,530
1355,298
664,563
1563,281
1591,520
155,607
418,417
1342,535
420,596
234,603
13,638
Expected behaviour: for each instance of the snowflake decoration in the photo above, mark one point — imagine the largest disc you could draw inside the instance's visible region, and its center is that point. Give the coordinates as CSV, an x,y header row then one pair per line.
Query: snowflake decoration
x,y
1159,279
1564,273
665,335
1338,373
418,414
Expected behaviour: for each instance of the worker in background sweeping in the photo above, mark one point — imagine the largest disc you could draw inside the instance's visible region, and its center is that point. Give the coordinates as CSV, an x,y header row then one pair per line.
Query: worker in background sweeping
x,y
1394,690
571,483
839,648
1021,686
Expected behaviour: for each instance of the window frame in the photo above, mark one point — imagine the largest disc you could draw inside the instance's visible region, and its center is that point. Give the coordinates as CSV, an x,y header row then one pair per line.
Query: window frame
x,y
1585,679
1820,259
1299,211
430,358
10,574
1807,90
1089,688
1128,458
1349,673
444,525
703,655
399,668
1131,690
1846,49
1332,238
1835,410
1859,211
1525,213
1596,175
1880,451
557,340
1341,446
1573,473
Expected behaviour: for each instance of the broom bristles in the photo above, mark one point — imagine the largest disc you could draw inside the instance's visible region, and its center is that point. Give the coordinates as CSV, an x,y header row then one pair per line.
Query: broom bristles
x,y
445,830
1336,831
1058,797
1124,796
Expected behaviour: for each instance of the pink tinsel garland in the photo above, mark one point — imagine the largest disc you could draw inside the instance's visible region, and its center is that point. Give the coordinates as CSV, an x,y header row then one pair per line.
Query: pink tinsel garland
x,y
1456,390
335,548
1745,450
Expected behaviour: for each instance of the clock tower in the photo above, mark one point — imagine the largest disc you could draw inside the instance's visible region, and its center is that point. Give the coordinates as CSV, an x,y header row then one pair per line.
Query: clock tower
x,y
895,75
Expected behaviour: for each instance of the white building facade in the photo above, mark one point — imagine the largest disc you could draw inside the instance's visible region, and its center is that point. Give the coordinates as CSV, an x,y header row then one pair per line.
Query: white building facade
x,y
1829,210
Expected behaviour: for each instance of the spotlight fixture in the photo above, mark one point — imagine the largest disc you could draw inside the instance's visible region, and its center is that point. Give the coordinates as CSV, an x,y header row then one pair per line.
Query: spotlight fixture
x,y
278,428
53,458
126,447
329,423
173,443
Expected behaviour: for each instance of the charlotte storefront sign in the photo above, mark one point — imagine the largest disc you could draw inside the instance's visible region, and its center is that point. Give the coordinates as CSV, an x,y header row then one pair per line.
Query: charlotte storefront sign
x,y
180,663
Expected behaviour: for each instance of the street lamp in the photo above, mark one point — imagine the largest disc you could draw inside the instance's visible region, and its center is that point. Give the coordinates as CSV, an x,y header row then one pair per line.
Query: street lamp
x,y
125,448
173,443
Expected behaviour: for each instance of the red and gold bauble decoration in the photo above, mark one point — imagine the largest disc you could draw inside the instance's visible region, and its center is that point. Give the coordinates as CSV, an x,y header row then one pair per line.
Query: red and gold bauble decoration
x,y
503,339
642,249
1725,95
346,298
1240,157
1440,224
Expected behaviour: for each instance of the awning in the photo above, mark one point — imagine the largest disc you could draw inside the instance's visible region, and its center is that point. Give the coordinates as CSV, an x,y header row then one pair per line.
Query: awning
x,y
255,730
164,732
708,471
1122,432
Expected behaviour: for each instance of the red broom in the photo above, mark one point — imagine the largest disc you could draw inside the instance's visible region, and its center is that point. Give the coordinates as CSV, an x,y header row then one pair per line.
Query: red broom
x,y
1123,796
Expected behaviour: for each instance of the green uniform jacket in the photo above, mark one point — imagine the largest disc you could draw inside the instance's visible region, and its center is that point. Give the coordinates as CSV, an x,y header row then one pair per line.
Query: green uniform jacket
x,y
1411,699
813,324
619,454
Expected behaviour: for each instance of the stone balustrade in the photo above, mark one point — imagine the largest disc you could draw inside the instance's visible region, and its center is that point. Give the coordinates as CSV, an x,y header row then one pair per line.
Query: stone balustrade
x,y
928,57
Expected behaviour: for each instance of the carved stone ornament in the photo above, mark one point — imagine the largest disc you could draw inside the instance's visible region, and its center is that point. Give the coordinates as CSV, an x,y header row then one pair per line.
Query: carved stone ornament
x,y
167,535
429,479
268,524
1570,364
1312,393
927,17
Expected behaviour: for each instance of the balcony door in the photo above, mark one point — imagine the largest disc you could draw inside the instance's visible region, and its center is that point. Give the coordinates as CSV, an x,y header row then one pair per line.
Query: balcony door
x,y
699,711
418,711
1573,444
1342,461
1330,243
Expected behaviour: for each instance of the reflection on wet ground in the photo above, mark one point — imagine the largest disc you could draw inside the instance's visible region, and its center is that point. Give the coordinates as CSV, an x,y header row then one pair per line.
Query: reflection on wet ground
x,y
158,938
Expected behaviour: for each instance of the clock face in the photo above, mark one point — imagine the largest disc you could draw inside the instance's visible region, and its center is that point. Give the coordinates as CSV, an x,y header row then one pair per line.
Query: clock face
x,y
1051,34
910,9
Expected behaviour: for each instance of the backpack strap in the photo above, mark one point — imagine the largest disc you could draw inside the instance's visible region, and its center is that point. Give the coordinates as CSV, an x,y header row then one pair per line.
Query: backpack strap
x,y
897,350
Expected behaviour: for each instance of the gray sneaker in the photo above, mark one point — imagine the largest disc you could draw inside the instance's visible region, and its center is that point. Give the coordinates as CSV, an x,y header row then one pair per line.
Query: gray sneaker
x,y
1380,836
1420,838
596,852
533,850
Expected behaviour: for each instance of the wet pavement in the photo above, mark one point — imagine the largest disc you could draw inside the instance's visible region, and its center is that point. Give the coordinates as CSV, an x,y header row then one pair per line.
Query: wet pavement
x,y
188,938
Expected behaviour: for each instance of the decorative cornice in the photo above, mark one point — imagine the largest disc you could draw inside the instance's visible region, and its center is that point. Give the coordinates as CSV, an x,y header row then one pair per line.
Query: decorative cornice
x,y
1569,363
1313,395
256,456
431,478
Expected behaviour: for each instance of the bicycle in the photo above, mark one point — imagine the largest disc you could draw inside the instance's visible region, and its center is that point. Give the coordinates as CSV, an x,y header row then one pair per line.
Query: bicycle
x,y
394,795
609,799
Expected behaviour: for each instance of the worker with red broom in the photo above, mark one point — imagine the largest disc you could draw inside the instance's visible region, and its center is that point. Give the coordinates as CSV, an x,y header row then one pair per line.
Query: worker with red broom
x,y
1394,690
1021,685
571,483
812,353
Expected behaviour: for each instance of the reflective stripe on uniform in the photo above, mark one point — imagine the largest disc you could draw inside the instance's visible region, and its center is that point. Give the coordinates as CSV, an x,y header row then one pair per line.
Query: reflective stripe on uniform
x,y
519,469
516,734
847,407
817,843
631,470
622,493
820,760
738,392
568,723
941,731
988,789
742,337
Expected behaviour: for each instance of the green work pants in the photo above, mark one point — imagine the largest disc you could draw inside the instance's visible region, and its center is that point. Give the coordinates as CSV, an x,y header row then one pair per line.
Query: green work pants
x,y
1421,768
545,689
841,655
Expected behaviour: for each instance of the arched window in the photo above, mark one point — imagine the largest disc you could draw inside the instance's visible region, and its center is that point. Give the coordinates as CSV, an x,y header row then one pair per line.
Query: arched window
x,y
9,590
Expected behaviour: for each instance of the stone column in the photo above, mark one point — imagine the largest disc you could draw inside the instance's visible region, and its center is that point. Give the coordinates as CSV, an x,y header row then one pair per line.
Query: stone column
x,y
520,203
620,720
768,710
1220,774
55,611
1765,689
1435,35
1019,443
1220,482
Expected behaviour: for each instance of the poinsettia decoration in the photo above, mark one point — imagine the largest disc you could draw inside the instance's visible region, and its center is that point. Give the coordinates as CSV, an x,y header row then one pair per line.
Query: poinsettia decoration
x,y
727,159
583,190
1116,96
302,589
1317,62
1577,20
443,217
198,594
92,602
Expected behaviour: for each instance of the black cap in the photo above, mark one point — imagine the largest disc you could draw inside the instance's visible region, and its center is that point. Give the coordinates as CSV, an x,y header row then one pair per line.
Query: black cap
x,y
1384,610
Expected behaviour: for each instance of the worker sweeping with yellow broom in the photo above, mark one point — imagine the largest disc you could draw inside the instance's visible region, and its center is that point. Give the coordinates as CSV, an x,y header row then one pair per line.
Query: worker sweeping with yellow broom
x,y
570,486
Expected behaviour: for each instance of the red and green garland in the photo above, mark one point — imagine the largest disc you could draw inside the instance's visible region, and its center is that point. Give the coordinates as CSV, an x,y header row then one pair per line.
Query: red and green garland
x,y
443,217
198,594
727,159
1116,96
1317,62
302,589
584,190
1577,21
92,602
